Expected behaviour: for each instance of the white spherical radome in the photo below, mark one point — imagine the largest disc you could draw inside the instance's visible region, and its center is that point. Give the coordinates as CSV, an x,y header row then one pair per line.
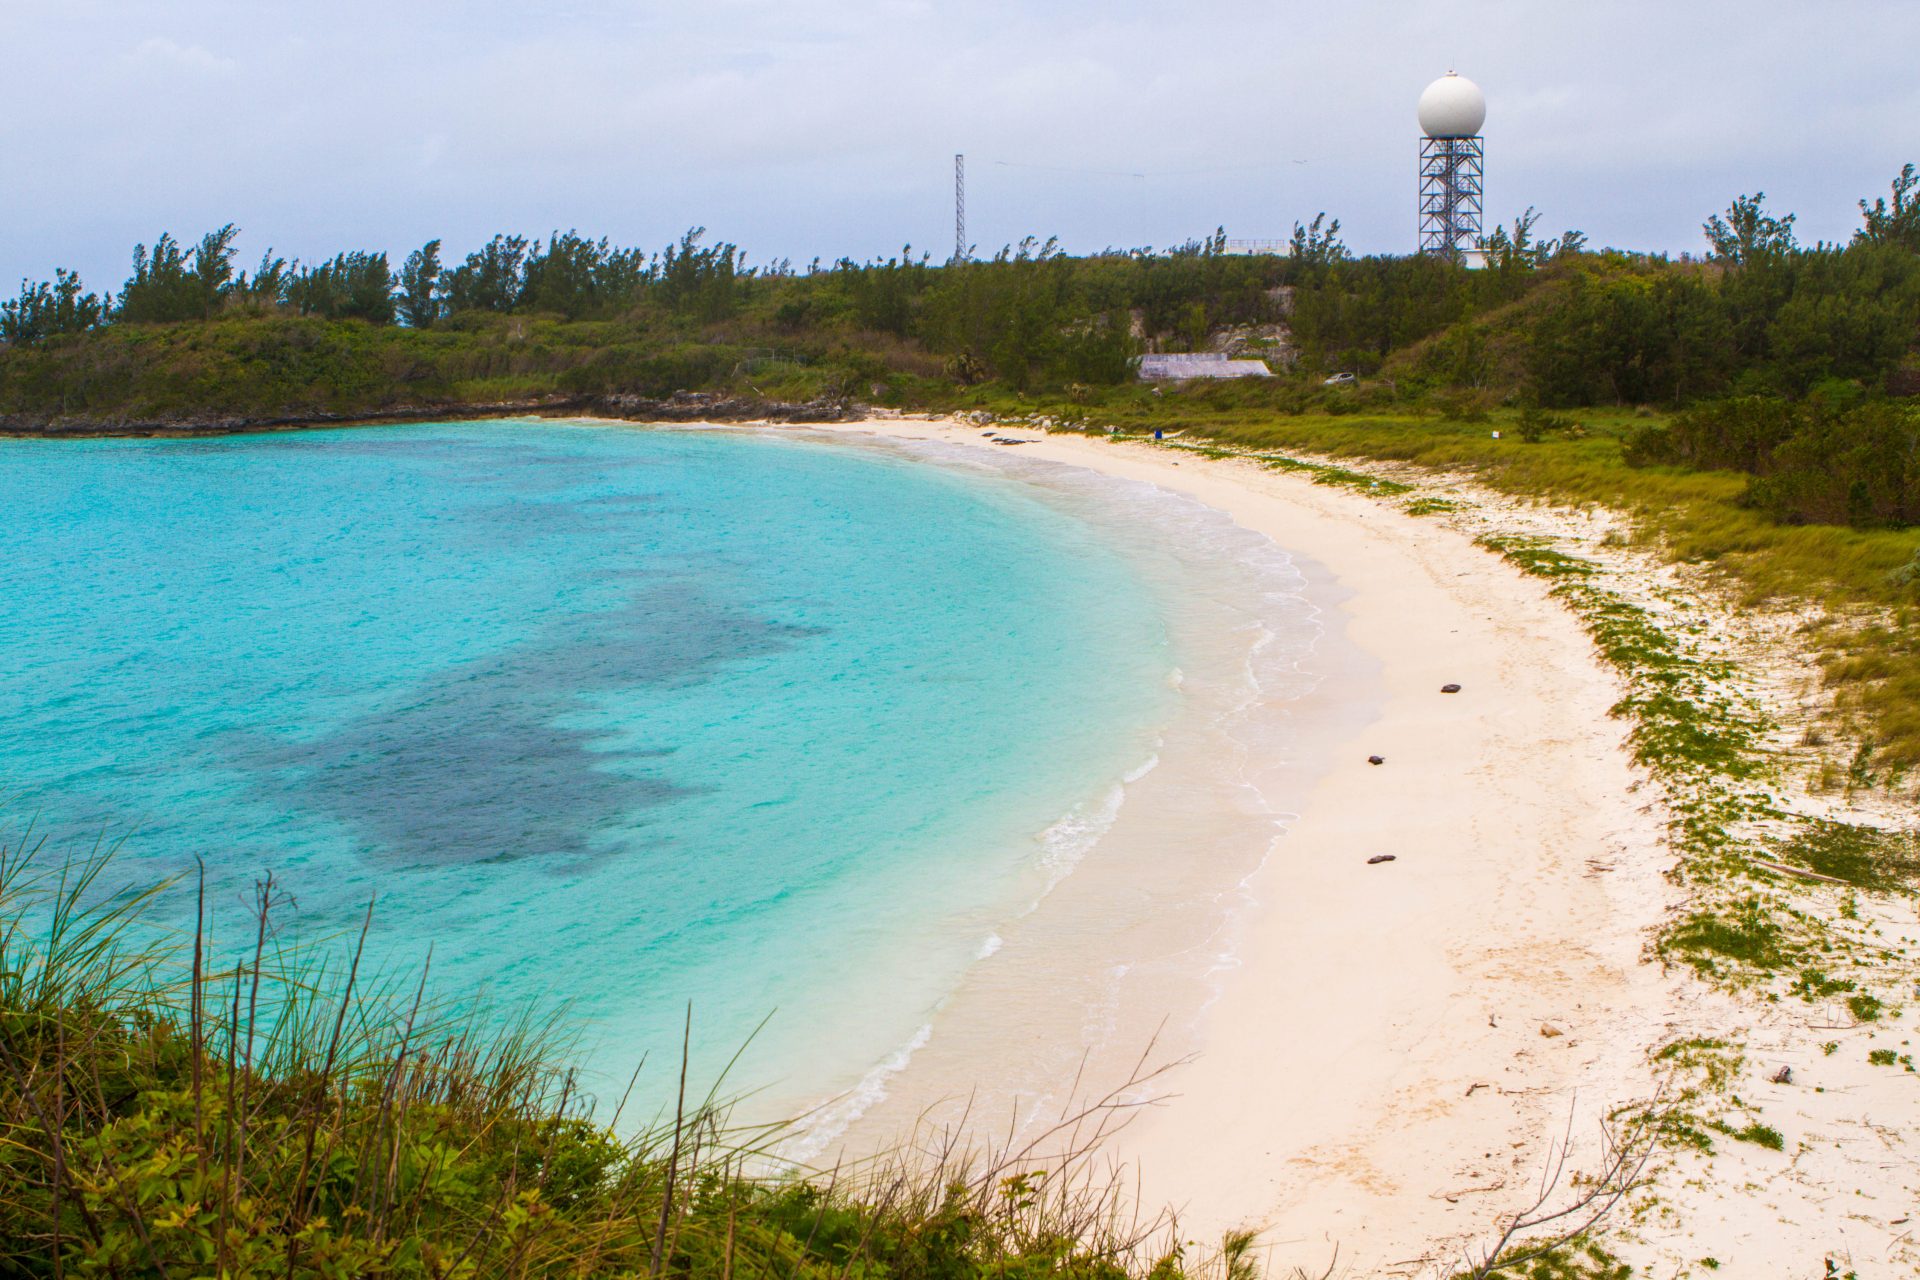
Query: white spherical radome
x,y
1453,107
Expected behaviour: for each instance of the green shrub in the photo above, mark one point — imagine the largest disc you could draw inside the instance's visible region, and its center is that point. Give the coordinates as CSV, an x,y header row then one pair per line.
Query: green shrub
x,y
1864,1007
1762,1136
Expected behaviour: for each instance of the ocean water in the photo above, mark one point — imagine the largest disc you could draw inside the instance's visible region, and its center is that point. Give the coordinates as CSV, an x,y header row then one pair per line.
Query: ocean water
x,y
781,730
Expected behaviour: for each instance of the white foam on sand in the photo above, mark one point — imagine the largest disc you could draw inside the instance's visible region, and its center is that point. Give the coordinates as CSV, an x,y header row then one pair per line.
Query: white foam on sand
x,y
822,1127
1135,889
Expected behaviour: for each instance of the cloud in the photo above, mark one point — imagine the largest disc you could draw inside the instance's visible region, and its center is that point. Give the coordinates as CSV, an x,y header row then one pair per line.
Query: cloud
x,y
161,52
804,127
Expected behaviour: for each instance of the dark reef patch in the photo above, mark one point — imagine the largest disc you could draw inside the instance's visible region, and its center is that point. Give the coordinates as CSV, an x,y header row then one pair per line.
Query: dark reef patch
x,y
496,758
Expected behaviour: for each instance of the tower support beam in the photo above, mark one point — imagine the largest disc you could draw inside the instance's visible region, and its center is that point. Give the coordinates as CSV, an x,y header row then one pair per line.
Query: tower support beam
x,y
959,208
1452,195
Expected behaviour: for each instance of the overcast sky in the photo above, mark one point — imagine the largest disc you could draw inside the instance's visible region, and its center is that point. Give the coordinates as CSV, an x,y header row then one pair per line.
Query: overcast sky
x,y
799,128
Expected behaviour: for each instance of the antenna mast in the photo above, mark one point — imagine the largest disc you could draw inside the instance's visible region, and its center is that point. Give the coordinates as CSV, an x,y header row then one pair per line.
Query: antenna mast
x,y
959,208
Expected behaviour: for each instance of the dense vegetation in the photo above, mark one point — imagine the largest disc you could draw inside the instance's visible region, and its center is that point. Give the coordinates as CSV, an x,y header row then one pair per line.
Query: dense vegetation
x,y
1813,462
1548,322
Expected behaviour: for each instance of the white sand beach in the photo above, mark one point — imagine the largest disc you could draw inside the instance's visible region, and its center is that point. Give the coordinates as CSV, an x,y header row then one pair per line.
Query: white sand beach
x,y
1398,1043
1376,1061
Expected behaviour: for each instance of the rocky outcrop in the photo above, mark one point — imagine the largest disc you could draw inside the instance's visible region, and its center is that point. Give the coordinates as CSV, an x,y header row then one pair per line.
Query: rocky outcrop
x,y
681,406
710,406
85,426
1270,342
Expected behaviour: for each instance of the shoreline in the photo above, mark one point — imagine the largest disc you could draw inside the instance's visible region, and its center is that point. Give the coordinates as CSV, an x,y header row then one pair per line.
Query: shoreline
x,y
1194,820
1396,1044
692,407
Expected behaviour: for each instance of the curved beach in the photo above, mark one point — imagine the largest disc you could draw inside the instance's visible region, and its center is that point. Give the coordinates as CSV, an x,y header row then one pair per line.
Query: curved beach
x,y
1370,1057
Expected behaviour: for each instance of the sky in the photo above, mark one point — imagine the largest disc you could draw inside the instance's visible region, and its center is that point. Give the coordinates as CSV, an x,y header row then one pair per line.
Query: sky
x,y
827,128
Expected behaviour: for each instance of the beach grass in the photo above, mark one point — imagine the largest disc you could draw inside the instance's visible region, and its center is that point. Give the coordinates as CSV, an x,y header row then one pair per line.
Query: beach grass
x,y
185,1107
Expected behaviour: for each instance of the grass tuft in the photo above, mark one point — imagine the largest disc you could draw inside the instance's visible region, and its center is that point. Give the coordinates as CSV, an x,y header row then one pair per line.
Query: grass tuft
x,y
1747,935
1761,1136
1885,861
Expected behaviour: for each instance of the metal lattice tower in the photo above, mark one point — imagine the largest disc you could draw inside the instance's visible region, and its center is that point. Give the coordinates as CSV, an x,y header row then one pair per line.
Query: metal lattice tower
x,y
959,208
1452,194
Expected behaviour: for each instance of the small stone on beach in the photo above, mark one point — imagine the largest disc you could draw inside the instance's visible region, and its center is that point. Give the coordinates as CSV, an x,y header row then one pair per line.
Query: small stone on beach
x,y
1380,857
1449,688
1376,759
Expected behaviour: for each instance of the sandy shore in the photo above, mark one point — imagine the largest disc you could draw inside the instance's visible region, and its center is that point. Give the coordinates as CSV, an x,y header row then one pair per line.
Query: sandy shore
x,y
1383,1069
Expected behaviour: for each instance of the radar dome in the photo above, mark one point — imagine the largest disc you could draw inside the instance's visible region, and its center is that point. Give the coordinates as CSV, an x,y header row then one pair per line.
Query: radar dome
x,y
1453,107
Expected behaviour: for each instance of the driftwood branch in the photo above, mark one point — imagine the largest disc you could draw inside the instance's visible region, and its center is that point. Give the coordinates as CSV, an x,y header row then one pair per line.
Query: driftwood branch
x,y
1626,1146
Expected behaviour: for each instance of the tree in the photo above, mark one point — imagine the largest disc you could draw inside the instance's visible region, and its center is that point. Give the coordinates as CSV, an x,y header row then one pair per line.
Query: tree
x,y
1748,233
46,310
1861,468
576,277
158,288
419,300
168,284
1524,248
1571,243
1318,245
490,280
213,266
1520,248
352,286
268,286
1898,224
1099,352
698,280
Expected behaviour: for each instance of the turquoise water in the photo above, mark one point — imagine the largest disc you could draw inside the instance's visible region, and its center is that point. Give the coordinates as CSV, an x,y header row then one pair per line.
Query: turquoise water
x,y
635,718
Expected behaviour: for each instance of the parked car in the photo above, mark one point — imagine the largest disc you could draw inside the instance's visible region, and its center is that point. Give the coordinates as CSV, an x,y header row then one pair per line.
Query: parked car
x,y
1339,380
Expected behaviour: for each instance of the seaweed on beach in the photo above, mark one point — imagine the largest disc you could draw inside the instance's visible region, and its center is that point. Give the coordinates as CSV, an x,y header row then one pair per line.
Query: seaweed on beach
x,y
1322,473
1866,857
1537,556
1425,506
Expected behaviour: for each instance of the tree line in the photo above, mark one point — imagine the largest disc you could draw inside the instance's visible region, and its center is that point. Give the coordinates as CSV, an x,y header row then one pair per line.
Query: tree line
x,y
1028,315
1761,315
566,275
1550,321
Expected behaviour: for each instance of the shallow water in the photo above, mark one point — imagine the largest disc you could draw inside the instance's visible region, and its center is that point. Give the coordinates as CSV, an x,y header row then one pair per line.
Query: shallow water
x,y
634,718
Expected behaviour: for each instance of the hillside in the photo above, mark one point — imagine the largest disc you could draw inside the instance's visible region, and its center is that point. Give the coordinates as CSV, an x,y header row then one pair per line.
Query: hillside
x,y
191,340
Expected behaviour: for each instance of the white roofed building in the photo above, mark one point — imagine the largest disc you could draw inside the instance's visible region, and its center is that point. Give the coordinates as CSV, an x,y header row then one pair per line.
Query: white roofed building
x,y
1180,366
